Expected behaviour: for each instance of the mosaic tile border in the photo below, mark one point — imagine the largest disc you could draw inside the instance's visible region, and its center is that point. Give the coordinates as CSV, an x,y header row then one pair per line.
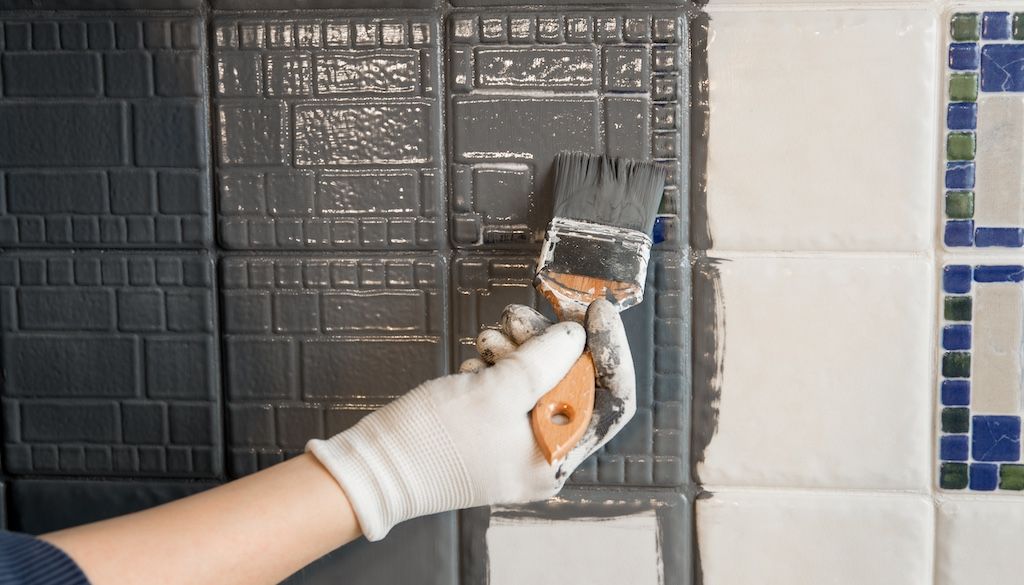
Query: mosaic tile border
x,y
977,450
980,44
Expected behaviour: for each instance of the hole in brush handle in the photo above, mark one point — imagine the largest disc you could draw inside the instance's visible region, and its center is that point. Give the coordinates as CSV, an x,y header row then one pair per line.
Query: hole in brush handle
x,y
573,397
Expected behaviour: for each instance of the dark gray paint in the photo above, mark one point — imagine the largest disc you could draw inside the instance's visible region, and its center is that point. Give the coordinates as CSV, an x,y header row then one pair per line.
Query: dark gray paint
x,y
40,505
100,4
103,132
708,354
514,101
311,344
301,162
700,128
321,4
110,364
673,510
423,550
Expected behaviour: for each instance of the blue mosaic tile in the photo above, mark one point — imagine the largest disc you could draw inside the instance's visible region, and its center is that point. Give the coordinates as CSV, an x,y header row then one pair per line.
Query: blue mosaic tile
x,y
1002,67
956,279
995,26
998,274
953,448
960,175
984,477
963,56
959,233
995,438
962,116
956,337
985,237
956,392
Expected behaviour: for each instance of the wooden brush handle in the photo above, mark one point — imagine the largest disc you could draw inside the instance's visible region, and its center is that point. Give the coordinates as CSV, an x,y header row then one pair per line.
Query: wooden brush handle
x,y
573,397
561,416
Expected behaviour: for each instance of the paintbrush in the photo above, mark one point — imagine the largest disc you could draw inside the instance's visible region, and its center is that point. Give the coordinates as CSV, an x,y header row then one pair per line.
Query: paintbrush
x,y
596,247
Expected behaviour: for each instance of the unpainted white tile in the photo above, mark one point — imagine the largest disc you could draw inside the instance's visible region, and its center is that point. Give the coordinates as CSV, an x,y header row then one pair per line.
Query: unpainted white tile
x,y
754,538
605,551
822,129
822,374
979,540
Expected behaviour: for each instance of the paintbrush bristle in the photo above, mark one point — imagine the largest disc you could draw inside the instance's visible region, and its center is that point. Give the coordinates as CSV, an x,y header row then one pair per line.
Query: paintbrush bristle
x,y
609,191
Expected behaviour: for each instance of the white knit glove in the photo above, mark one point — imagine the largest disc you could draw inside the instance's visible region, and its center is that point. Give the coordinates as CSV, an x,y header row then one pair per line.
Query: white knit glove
x,y
465,440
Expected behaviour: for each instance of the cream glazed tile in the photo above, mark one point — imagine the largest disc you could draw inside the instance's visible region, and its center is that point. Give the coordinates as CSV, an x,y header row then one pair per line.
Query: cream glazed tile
x,y
821,130
813,371
756,537
979,540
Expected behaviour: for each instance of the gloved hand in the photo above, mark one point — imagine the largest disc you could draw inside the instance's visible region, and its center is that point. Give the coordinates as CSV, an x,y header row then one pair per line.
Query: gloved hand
x,y
465,440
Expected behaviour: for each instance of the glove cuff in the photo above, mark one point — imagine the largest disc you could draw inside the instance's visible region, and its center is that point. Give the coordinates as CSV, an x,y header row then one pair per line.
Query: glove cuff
x,y
395,464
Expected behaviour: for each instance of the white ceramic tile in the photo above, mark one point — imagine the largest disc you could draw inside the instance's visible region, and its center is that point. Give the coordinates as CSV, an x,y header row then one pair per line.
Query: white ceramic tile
x,y
822,129
815,538
823,371
596,551
979,541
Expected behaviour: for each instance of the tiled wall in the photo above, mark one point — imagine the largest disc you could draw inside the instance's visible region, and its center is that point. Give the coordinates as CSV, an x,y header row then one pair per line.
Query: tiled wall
x,y
228,230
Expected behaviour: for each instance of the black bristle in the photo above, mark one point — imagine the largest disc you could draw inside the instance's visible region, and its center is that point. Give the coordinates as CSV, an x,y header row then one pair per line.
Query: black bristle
x,y
608,191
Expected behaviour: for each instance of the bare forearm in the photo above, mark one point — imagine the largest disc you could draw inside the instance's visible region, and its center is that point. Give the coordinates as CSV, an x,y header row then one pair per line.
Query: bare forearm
x,y
259,529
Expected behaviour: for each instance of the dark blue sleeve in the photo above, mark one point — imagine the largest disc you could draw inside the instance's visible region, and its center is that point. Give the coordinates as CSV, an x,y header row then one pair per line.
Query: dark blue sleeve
x,y
25,560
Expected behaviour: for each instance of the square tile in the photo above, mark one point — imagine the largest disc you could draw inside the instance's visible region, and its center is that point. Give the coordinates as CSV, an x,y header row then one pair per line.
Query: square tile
x,y
652,449
581,536
830,353
814,537
977,540
80,117
428,547
311,344
331,179
985,124
590,83
814,179
102,376
980,376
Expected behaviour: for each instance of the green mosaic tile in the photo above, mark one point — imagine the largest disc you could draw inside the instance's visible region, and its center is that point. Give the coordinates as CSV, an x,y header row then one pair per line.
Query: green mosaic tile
x,y
960,204
957,309
1011,477
960,146
964,26
956,364
1018,26
953,476
956,420
963,87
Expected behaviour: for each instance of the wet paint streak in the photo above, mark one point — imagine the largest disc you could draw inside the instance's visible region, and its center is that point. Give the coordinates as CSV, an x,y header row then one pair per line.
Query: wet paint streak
x,y
709,313
700,126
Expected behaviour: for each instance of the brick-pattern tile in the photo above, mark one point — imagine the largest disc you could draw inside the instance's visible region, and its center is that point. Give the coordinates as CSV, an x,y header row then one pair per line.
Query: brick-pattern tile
x,y
104,133
329,133
110,364
313,344
613,83
652,449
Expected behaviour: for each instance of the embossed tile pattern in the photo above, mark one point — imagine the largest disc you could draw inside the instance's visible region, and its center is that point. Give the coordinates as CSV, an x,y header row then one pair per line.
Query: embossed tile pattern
x,y
328,133
610,83
313,344
652,449
110,364
103,138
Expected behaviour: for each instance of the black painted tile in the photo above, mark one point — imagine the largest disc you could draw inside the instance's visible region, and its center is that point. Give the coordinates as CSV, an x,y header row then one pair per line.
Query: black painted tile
x,y
427,548
42,505
110,364
652,449
308,4
303,161
668,514
599,82
87,103
311,344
